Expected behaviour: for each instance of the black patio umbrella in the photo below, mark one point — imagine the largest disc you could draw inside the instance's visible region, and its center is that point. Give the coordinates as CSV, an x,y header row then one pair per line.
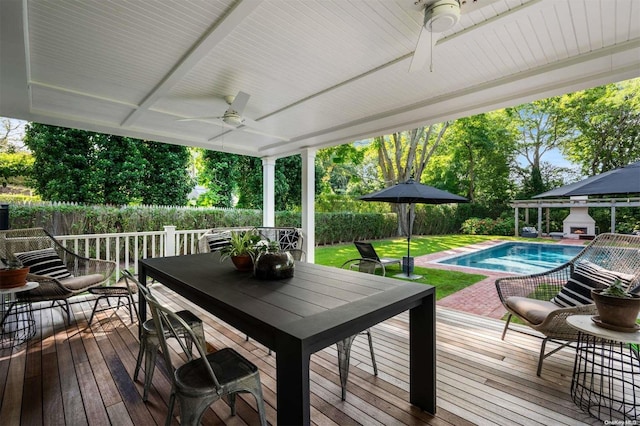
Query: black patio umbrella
x,y
624,180
410,192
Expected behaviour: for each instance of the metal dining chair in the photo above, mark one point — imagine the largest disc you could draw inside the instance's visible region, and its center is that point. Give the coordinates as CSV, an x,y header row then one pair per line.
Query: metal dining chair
x,y
368,266
198,384
150,341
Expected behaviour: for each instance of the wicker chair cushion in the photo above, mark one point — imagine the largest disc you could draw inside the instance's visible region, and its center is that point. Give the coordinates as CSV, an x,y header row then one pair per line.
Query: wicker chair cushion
x,y
82,282
44,262
533,310
585,277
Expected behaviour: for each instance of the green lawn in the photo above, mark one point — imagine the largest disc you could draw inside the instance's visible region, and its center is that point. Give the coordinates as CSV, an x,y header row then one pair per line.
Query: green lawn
x,y
446,282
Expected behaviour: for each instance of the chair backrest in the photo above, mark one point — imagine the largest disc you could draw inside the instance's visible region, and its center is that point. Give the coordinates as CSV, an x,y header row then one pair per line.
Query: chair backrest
x,y
298,254
368,266
366,250
615,252
288,238
165,322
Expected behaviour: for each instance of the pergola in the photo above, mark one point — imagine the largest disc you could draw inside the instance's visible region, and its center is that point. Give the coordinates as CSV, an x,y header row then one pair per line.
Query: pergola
x,y
319,73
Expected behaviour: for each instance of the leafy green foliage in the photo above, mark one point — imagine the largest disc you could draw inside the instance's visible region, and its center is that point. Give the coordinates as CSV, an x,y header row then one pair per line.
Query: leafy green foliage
x,y
486,226
14,165
86,167
607,123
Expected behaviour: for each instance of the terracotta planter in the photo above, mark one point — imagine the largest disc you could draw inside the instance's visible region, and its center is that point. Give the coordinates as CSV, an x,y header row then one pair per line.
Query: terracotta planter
x,y
618,312
10,278
243,263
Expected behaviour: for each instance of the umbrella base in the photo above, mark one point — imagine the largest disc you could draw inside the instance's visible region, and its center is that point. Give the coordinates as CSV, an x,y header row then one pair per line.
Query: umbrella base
x,y
408,277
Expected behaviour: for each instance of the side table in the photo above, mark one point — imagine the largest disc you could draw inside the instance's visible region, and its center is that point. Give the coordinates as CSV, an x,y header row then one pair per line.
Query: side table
x,y
17,324
606,374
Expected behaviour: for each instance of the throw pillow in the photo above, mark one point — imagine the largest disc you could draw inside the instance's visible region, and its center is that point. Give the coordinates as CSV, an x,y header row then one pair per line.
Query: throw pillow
x,y
44,262
218,241
585,277
288,239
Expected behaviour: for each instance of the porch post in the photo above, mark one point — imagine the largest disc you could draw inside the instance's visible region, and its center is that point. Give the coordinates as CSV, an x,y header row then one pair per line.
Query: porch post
x,y
516,221
539,221
170,240
613,217
308,202
268,191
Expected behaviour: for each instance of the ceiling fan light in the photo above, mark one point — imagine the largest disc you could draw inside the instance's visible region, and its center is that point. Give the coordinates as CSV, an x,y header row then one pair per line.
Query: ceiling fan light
x,y
233,119
442,15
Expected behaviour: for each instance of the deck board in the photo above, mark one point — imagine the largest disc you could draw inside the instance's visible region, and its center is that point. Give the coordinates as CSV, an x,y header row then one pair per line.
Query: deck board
x,y
70,374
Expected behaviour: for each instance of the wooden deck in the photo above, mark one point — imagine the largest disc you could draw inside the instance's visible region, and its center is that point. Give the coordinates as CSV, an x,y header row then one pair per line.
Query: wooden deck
x,y
72,375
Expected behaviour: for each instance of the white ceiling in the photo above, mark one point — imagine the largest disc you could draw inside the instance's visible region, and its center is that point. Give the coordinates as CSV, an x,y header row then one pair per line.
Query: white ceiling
x,y
319,72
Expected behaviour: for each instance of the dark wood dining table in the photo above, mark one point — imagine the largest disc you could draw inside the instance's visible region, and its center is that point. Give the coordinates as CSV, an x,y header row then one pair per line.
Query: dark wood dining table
x,y
298,316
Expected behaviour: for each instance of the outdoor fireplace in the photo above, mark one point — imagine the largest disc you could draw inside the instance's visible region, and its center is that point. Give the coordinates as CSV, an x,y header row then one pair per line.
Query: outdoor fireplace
x,y
579,222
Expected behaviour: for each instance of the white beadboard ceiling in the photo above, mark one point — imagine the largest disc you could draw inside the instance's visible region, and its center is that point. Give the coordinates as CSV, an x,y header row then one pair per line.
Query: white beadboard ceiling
x,y
320,73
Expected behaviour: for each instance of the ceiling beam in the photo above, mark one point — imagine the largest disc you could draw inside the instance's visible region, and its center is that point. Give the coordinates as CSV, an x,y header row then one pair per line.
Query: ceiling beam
x,y
14,53
215,34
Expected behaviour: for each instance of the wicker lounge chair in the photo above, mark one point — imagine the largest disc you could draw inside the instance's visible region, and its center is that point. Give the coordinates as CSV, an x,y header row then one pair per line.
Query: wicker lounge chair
x,y
543,301
368,266
198,384
60,272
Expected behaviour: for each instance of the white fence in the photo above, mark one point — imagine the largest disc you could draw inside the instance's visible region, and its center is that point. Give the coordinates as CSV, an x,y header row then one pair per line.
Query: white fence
x,y
127,248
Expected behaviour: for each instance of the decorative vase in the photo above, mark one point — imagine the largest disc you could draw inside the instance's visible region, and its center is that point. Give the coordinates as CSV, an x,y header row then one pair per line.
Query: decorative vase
x,y
243,263
273,265
618,312
10,278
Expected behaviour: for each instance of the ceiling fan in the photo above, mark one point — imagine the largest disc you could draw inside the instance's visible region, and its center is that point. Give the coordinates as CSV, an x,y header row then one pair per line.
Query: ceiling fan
x,y
232,118
439,16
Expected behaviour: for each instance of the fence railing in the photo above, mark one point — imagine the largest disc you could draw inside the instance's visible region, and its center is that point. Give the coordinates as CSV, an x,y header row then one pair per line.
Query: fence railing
x,y
127,248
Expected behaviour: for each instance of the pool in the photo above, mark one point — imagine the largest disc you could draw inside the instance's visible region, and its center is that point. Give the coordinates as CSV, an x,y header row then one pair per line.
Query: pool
x,y
519,258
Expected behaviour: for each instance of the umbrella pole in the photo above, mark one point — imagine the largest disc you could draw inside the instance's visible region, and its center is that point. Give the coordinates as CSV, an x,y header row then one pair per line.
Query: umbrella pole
x,y
409,240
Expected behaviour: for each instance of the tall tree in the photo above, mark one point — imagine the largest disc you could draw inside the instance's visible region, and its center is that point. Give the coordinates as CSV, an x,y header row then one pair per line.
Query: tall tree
x,y
403,155
606,120
476,159
219,174
167,180
11,134
541,128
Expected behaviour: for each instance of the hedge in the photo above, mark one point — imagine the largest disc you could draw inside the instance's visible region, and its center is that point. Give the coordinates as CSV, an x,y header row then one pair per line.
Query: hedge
x,y
71,219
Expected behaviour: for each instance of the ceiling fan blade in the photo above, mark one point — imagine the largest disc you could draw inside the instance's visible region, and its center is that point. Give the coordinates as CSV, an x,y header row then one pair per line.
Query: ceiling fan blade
x,y
199,118
424,50
239,103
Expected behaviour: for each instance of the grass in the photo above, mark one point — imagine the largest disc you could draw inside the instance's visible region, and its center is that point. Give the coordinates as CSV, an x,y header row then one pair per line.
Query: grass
x,y
446,282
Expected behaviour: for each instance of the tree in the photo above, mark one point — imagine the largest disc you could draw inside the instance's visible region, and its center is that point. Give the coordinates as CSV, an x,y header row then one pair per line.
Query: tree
x,y
218,173
167,180
403,155
11,134
87,167
476,159
606,120
541,128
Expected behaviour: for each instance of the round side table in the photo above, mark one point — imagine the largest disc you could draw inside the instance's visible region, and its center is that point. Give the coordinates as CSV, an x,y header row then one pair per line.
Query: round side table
x,y
17,324
606,374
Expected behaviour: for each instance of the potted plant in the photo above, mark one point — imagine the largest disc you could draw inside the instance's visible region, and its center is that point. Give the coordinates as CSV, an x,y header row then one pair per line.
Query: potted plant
x,y
12,273
241,249
617,308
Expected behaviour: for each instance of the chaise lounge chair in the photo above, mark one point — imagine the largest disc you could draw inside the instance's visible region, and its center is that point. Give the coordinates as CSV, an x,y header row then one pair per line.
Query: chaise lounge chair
x,y
367,251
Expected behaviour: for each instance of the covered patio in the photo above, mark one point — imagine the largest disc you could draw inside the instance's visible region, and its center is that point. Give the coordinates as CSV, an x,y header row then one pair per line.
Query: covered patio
x,y
316,74
70,375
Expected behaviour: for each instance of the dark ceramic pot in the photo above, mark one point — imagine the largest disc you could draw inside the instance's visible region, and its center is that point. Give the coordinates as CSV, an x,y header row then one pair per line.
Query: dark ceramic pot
x,y
243,263
617,311
273,265
10,278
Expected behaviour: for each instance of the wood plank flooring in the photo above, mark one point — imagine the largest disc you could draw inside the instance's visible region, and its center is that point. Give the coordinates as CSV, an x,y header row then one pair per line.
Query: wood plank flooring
x,y
71,375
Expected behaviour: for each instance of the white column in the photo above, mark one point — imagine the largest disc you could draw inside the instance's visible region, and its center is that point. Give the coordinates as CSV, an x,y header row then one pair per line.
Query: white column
x,y
613,218
540,221
516,221
308,203
170,240
268,191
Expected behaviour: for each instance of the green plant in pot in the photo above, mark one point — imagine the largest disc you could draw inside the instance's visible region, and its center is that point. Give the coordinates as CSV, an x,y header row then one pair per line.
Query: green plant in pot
x,y
617,308
240,249
12,273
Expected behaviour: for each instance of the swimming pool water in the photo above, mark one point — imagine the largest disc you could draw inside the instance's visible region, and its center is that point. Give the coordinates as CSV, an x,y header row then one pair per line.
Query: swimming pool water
x,y
519,258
